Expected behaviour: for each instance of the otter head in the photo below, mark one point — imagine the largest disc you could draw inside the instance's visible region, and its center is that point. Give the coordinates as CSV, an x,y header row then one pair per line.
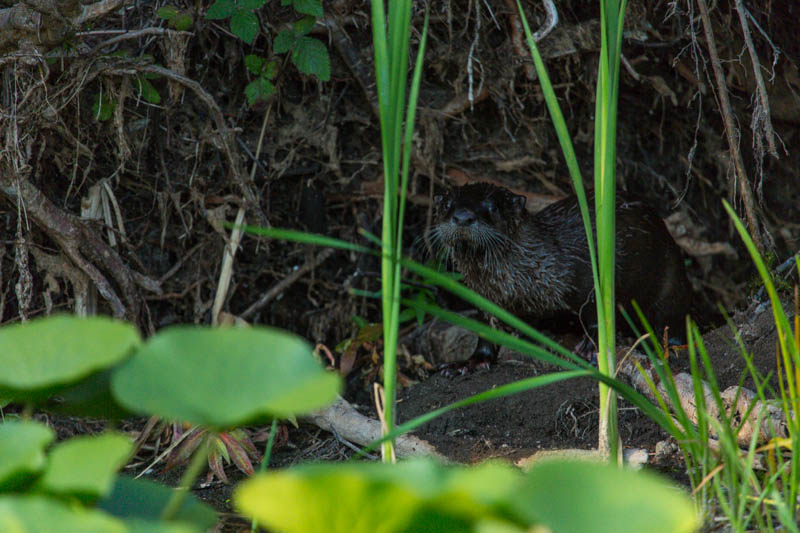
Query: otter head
x,y
478,216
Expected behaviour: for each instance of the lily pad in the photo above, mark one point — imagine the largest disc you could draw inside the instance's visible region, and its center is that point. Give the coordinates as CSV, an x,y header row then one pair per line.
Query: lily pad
x,y
143,501
22,446
43,355
36,514
85,466
418,495
597,497
224,377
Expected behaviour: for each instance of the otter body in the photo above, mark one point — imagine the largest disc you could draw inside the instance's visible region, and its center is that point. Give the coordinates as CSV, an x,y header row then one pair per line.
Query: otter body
x,y
537,265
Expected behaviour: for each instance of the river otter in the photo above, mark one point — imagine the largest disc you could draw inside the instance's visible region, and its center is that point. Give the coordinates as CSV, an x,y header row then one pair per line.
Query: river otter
x,y
537,265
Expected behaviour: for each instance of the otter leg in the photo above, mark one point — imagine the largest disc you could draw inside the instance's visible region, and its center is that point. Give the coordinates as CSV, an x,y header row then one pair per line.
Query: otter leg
x,y
483,357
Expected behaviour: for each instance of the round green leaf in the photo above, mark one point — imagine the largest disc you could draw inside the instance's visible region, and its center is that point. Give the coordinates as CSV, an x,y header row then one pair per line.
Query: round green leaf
x,y
139,526
597,497
85,466
223,377
416,495
22,447
142,501
41,355
37,514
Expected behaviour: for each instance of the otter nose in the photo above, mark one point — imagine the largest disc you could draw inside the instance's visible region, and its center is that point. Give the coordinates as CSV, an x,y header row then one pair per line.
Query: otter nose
x,y
463,217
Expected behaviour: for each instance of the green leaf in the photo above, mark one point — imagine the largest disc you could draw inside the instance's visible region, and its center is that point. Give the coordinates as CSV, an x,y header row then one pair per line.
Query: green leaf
x,y
89,397
39,514
103,107
167,12
271,70
598,497
252,373
146,500
147,91
140,526
421,495
283,42
244,24
258,89
251,4
311,57
254,63
309,7
85,466
221,9
304,25
22,447
182,22
43,354
416,495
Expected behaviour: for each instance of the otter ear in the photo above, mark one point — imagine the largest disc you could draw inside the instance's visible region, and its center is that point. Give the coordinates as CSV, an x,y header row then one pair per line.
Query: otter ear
x,y
518,203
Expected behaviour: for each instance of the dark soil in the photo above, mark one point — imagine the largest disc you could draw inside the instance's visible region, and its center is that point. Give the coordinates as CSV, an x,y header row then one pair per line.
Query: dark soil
x,y
564,415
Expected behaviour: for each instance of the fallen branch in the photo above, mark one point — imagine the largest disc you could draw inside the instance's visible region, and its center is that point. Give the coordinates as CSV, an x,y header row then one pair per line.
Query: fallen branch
x,y
342,419
773,422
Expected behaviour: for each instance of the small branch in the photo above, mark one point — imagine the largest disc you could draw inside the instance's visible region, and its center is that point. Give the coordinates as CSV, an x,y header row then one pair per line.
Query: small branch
x,y
740,176
286,282
225,133
518,34
762,123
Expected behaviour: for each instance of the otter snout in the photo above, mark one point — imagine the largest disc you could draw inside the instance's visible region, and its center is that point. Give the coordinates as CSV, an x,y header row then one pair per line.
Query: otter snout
x,y
463,217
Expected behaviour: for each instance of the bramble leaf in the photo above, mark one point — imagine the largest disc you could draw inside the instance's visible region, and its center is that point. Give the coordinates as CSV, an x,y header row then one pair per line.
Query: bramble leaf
x,y
311,57
221,9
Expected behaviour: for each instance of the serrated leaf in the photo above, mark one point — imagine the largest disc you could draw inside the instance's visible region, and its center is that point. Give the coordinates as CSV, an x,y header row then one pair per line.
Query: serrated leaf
x,y
283,42
309,7
146,90
258,89
244,24
271,70
167,12
304,25
254,64
251,4
310,56
221,9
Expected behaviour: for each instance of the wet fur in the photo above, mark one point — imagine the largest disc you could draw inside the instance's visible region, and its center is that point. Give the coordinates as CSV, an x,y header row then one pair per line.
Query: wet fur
x,y
537,265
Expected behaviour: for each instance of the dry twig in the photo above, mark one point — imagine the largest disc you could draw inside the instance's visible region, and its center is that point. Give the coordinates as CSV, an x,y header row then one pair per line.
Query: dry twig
x,y
732,133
